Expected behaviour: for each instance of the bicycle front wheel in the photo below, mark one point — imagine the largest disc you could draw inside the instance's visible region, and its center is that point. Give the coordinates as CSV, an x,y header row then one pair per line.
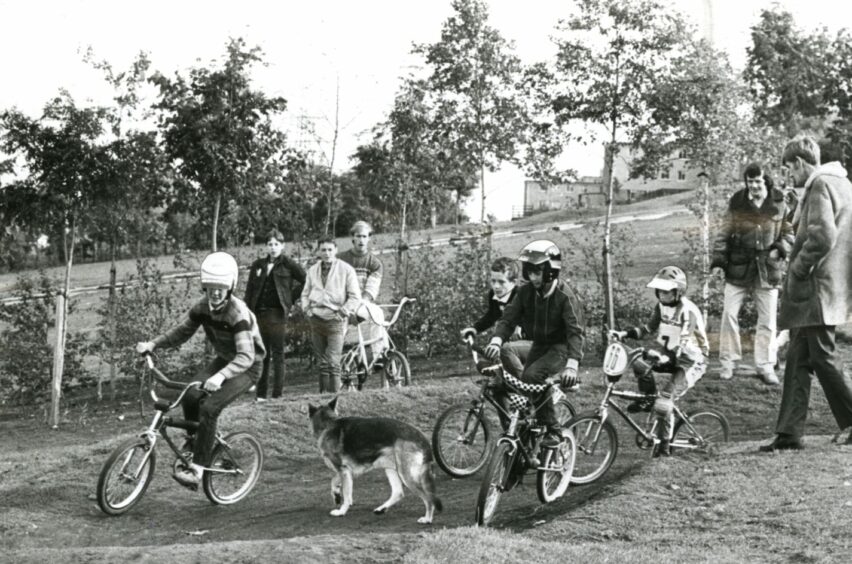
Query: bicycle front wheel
x,y
701,431
557,465
597,446
125,476
494,483
397,371
565,410
461,440
234,468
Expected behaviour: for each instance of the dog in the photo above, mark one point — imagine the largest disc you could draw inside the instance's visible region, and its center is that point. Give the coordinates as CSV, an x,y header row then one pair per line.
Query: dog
x,y
351,446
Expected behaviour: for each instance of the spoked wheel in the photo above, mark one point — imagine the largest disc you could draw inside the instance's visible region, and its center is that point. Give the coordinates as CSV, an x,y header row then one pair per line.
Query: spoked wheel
x,y
557,465
703,431
565,410
397,371
461,440
597,447
494,483
234,468
125,476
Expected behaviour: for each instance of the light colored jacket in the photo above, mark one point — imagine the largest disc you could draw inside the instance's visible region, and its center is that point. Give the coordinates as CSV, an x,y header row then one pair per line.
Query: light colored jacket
x,y
818,288
337,298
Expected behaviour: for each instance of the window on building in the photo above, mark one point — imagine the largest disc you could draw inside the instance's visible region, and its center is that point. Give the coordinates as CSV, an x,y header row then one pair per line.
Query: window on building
x,y
664,173
681,154
681,175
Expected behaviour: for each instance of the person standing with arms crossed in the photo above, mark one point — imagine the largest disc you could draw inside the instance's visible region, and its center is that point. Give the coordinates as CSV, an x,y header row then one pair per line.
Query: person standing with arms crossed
x,y
817,293
274,285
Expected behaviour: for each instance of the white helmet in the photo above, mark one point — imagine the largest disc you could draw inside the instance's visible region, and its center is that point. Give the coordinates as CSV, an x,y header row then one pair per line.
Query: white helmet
x,y
219,269
669,278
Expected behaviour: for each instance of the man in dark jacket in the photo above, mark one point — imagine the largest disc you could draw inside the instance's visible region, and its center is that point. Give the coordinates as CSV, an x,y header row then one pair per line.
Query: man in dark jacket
x,y
552,317
751,248
817,292
274,284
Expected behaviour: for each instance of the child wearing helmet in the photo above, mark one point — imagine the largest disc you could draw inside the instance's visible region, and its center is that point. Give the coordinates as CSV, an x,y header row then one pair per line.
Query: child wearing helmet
x,y
551,316
232,330
679,327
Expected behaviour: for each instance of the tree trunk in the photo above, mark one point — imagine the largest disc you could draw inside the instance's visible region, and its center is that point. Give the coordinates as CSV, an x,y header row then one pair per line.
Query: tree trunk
x,y
482,189
61,327
216,205
113,323
705,246
609,302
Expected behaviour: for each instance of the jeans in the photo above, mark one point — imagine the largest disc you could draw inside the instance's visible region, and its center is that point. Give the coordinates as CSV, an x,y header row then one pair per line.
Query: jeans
x,y
730,348
811,351
272,324
205,408
327,342
533,363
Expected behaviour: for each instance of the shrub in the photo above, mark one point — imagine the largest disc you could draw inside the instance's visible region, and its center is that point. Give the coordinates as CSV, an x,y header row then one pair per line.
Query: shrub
x,y
26,349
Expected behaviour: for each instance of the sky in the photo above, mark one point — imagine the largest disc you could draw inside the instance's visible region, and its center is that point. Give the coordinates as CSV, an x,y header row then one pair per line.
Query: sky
x,y
314,51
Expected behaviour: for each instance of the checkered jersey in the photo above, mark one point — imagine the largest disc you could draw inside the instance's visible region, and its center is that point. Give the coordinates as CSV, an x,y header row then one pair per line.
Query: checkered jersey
x,y
525,387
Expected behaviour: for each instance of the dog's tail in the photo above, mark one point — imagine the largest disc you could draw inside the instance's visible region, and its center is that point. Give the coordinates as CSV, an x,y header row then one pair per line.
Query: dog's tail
x,y
429,487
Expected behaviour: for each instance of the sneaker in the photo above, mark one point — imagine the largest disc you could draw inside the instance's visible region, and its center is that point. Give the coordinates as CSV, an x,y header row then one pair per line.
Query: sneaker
x,y
189,477
552,439
639,405
260,399
663,448
782,442
726,374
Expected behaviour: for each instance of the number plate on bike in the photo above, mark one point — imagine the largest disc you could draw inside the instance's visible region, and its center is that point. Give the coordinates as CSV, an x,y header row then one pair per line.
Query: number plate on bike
x,y
615,360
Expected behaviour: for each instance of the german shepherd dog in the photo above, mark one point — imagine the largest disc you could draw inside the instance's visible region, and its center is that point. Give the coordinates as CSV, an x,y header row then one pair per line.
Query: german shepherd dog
x,y
351,446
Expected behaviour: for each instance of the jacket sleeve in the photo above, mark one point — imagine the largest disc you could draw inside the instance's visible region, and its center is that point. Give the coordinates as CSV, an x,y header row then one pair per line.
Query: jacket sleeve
x,y
821,230
244,346
786,236
650,326
374,278
575,325
180,333
720,243
489,318
251,286
306,291
353,291
510,319
298,274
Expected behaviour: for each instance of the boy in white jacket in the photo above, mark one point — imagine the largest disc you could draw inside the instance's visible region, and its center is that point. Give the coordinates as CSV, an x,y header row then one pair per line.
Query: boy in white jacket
x,y
330,295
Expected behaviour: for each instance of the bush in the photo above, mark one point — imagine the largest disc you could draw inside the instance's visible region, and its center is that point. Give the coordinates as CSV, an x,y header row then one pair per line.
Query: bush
x,y
26,348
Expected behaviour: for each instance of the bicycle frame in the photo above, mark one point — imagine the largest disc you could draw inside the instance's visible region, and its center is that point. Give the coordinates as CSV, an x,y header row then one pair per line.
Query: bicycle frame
x,y
358,352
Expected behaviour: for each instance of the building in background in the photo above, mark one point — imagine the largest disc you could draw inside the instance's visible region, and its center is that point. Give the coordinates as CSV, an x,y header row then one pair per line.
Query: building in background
x,y
539,196
676,175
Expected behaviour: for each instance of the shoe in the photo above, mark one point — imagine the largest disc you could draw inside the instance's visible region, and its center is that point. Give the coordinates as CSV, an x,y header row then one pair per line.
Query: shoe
x,y
188,477
663,448
253,388
769,377
552,439
639,405
783,442
726,374
260,399
844,437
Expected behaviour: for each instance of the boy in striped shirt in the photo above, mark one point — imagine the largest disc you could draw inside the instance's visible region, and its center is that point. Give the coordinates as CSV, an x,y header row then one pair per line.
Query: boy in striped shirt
x,y
232,330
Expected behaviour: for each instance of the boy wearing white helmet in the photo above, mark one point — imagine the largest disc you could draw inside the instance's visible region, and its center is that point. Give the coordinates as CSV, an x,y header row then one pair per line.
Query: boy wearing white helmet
x,y
232,330
551,316
679,327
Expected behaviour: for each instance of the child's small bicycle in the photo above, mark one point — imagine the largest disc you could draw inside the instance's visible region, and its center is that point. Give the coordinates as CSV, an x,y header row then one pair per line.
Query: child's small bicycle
x,y
597,439
234,469
463,437
356,365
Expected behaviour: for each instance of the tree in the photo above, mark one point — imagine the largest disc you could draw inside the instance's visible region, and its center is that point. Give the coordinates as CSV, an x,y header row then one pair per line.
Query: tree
x,y
473,88
608,57
68,174
218,131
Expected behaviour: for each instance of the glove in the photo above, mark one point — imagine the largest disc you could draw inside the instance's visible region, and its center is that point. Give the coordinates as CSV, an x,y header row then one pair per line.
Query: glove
x,y
145,347
492,351
617,335
568,378
213,383
467,331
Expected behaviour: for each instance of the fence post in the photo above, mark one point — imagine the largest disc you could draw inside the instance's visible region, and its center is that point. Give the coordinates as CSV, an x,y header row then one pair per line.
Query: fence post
x,y
58,360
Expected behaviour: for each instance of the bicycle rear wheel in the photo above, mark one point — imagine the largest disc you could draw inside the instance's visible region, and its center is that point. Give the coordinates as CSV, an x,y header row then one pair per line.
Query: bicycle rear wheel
x,y
557,465
705,430
461,440
397,371
234,468
125,476
494,483
597,446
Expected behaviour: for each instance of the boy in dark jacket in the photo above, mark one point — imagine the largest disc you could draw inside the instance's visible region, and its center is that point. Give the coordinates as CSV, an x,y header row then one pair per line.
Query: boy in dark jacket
x,y
503,281
551,316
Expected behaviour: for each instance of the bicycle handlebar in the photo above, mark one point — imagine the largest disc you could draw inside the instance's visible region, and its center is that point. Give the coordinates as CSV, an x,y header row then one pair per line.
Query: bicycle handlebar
x,y
657,358
394,317
165,380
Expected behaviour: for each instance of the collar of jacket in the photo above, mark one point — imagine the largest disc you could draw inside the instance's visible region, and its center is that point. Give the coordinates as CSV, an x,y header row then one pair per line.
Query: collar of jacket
x,y
773,203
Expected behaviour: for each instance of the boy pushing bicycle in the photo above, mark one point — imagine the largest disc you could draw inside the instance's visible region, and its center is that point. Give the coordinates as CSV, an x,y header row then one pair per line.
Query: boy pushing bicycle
x,y
232,330
552,317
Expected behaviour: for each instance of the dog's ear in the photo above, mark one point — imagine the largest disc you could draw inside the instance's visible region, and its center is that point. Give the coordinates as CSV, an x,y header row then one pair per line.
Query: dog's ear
x,y
333,404
312,409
